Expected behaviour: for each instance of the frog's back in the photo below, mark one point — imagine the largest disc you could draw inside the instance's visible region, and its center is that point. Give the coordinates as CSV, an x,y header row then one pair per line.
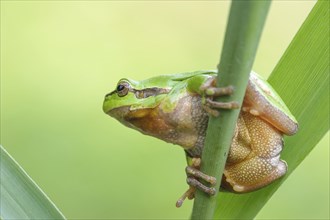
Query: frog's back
x,y
170,80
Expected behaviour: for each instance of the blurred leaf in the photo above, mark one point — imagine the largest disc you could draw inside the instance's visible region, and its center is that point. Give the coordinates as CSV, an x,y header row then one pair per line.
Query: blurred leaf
x,y
302,79
20,196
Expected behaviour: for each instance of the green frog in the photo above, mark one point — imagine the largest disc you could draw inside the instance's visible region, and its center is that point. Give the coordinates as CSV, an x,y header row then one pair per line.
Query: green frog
x,y
176,108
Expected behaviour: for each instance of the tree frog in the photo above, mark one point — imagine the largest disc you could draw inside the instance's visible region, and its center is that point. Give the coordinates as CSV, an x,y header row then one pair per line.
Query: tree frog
x,y
176,109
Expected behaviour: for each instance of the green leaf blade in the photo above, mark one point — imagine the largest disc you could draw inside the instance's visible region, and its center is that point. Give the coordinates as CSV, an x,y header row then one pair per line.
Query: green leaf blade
x,y
20,196
301,78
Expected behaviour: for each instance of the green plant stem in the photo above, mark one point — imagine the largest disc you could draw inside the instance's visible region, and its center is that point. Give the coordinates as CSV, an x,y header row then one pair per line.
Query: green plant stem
x,y
301,78
245,24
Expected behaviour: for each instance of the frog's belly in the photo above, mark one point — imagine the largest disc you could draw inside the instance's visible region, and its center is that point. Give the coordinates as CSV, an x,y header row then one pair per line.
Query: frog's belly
x,y
188,122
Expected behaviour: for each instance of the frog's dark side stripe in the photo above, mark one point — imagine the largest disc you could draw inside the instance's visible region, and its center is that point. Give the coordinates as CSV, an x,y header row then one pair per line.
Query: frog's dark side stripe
x,y
144,93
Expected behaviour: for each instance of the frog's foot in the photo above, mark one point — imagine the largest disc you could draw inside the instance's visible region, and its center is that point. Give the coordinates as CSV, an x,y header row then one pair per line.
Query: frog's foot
x,y
194,174
190,194
211,91
210,106
223,105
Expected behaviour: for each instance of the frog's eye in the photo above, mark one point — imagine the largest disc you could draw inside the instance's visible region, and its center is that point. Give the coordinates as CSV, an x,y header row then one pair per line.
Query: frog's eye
x,y
122,89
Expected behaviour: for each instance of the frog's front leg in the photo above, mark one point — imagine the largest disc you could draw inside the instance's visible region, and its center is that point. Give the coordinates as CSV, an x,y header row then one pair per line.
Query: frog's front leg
x,y
193,177
210,91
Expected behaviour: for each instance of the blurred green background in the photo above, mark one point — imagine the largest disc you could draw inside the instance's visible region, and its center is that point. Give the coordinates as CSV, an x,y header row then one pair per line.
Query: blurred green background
x,y
59,59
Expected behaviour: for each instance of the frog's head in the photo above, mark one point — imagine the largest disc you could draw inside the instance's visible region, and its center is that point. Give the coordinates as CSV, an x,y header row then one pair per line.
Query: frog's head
x,y
132,99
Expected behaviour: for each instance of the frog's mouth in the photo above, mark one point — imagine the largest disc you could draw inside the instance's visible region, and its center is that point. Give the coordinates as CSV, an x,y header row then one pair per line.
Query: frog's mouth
x,y
118,113
124,113
135,119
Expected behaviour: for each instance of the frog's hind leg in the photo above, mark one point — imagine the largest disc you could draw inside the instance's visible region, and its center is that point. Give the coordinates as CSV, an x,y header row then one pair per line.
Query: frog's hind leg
x,y
254,173
263,165
261,100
